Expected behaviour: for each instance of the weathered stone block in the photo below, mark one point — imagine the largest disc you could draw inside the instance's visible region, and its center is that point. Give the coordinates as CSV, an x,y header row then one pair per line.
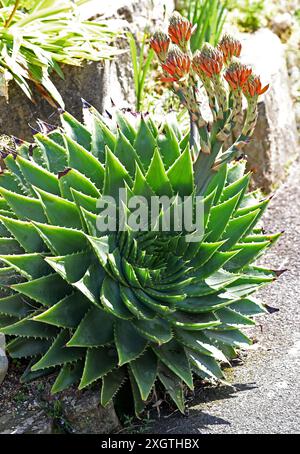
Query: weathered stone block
x,y
97,83
26,423
84,414
274,143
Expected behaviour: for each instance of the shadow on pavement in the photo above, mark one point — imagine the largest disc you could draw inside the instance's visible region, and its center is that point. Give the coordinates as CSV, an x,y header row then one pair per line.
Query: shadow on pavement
x,y
197,419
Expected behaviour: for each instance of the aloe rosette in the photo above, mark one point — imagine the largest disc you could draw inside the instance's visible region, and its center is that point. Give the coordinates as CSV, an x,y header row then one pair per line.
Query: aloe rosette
x,y
141,305
144,306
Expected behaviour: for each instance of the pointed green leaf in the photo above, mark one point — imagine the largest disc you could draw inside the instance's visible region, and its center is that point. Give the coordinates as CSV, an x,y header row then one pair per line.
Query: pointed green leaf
x,y
76,130
31,266
181,175
85,201
173,386
237,227
69,374
157,177
85,162
129,343
15,305
47,290
72,179
25,234
206,364
234,337
22,347
54,154
219,218
144,143
247,252
144,370
198,342
126,154
231,318
95,329
237,187
29,328
10,246
59,211
115,175
168,146
111,384
98,362
136,307
58,353
38,176
173,356
67,313
71,267
61,240
91,282
139,405
111,299
156,330
141,187
24,207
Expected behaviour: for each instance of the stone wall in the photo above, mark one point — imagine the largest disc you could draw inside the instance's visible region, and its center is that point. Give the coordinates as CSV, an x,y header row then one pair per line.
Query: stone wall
x,y
95,82
274,145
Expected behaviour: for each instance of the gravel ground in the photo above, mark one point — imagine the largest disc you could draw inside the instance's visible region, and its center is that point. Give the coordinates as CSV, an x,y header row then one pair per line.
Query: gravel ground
x,y
266,398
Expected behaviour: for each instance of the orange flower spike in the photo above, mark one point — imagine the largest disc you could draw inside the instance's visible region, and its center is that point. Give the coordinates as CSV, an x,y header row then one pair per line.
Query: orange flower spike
x,y
177,65
209,61
180,30
253,87
237,75
230,47
160,43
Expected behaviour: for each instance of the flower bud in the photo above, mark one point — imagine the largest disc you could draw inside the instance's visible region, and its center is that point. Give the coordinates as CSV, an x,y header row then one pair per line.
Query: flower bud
x,y
230,47
180,30
177,65
237,75
160,43
208,61
253,87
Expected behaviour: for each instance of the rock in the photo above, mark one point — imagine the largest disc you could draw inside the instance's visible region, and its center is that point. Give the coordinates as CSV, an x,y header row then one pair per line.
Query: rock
x,y
26,423
274,143
282,24
39,412
84,414
96,82
3,359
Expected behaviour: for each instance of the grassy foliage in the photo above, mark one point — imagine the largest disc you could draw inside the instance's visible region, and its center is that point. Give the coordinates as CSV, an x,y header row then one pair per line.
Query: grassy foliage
x,y
209,16
36,36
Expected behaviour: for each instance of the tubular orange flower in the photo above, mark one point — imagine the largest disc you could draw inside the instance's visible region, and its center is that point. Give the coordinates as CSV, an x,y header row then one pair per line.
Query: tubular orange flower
x,y
253,87
160,43
209,61
180,30
177,65
230,47
237,75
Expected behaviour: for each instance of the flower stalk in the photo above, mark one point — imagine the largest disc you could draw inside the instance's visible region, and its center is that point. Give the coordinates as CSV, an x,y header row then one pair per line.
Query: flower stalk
x,y
209,68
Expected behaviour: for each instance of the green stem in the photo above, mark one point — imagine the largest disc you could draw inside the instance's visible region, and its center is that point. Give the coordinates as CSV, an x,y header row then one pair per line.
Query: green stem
x,y
9,20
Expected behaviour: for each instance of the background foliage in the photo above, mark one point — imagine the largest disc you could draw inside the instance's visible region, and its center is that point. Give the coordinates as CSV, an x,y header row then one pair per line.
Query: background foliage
x,y
42,34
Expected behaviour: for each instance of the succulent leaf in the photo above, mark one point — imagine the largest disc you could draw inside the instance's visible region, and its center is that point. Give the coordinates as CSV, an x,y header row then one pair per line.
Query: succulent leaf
x,y
124,304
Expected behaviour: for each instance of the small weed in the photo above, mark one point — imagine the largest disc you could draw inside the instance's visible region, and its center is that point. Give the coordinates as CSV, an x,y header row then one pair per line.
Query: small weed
x,y
134,426
20,397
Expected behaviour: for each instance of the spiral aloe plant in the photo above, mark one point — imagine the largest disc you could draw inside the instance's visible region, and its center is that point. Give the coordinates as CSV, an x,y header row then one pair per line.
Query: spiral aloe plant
x,y
143,305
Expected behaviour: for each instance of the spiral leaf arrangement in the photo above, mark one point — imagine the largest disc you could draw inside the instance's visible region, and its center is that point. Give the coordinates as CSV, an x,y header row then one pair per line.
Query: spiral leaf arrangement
x,y
144,306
